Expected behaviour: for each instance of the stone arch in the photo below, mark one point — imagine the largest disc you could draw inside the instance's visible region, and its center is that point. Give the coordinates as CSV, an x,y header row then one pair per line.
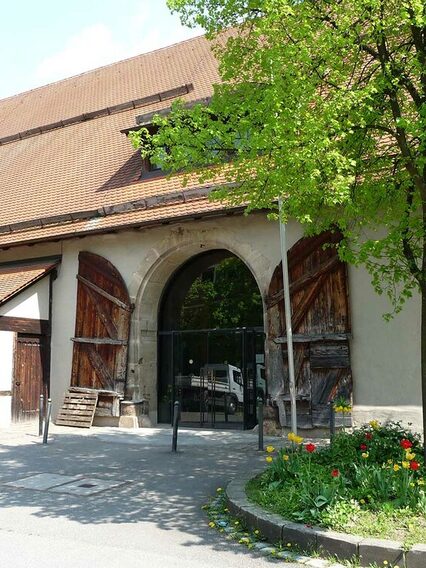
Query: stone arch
x,y
146,290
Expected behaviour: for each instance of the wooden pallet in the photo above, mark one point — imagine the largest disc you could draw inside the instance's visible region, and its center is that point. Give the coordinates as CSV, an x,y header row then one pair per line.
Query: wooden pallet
x,y
78,409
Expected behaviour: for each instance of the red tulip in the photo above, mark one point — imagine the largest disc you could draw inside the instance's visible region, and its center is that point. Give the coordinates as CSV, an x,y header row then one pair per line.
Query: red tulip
x,y
406,444
368,436
363,447
335,473
414,465
310,448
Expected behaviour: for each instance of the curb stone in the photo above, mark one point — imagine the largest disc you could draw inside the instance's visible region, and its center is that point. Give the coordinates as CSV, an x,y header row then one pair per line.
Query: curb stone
x,y
378,550
416,557
339,545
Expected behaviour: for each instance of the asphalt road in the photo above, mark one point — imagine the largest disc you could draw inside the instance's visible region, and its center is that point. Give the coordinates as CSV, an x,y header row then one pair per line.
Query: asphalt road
x,y
152,519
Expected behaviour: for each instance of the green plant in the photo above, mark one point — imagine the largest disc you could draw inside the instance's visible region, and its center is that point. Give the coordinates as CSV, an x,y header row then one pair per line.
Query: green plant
x,y
361,482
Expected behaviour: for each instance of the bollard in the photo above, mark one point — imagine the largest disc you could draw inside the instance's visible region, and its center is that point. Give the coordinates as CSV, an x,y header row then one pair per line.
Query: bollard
x,y
260,421
332,420
46,424
176,417
41,415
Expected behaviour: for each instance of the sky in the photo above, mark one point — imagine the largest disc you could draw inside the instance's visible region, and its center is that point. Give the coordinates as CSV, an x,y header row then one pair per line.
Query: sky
x,y
42,41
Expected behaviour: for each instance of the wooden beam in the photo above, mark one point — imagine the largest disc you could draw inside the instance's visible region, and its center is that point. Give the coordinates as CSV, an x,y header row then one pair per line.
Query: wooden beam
x,y
103,314
24,325
305,338
92,263
103,293
99,340
304,305
307,245
98,364
326,267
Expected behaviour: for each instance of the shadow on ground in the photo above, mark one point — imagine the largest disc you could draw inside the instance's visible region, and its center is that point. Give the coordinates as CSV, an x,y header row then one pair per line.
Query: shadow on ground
x,y
159,487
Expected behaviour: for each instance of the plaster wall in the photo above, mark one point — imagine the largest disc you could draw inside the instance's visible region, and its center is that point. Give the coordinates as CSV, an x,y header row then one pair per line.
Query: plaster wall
x,y
6,372
385,356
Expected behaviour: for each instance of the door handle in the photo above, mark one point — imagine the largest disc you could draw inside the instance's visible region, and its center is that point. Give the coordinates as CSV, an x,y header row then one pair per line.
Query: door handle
x,y
17,383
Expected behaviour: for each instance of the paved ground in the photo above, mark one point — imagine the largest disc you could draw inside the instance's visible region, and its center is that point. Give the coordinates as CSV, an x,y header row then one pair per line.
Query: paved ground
x,y
153,519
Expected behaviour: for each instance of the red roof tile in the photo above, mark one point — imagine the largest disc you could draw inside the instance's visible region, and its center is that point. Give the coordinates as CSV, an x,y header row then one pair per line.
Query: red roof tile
x,y
90,164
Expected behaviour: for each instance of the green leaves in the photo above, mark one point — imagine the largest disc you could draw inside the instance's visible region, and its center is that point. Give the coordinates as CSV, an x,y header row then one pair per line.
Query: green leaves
x,y
324,105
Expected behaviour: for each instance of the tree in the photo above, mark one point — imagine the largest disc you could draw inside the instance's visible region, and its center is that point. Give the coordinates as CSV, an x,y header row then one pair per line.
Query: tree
x,y
225,296
323,104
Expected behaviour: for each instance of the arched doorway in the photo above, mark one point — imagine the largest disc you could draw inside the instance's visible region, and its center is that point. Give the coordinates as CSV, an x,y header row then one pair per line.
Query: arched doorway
x,y
211,343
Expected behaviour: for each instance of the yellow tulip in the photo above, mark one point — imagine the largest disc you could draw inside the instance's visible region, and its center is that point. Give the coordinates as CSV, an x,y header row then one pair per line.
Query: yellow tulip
x,y
270,449
375,424
285,457
406,465
364,455
269,459
396,467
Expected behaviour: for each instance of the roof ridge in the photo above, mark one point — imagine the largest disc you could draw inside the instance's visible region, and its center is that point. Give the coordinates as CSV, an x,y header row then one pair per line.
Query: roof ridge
x,y
73,77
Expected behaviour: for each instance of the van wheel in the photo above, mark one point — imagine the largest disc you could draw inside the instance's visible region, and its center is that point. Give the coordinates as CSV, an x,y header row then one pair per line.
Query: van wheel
x,y
232,404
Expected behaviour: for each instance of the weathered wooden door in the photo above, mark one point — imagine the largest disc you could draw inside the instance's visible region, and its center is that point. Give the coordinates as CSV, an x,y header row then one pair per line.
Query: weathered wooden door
x,y
29,380
320,322
102,325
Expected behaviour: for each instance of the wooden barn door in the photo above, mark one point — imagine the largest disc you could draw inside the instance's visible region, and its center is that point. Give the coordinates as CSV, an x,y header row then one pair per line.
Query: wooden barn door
x,y
102,326
29,376
320,321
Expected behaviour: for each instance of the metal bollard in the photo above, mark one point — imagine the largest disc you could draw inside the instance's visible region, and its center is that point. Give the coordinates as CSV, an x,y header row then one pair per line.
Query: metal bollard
x,y
46,424
176,417
41,415
332,420
260,421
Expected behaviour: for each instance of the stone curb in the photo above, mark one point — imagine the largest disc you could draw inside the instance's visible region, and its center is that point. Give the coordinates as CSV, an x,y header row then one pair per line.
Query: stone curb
x,y
339,545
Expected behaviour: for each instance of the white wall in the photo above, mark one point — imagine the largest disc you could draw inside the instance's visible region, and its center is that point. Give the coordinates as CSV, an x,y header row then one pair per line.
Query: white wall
x,y
30,303
385,356
6,375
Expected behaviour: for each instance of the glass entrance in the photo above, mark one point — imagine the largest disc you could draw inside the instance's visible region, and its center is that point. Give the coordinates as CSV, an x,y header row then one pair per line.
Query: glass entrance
x,y
215,374
211,343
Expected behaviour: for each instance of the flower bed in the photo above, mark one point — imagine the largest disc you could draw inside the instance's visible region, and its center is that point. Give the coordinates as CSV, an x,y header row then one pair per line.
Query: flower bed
x,y
369,482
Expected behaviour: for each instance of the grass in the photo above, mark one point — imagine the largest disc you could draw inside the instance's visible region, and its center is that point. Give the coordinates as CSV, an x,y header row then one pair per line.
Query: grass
x,y
404,525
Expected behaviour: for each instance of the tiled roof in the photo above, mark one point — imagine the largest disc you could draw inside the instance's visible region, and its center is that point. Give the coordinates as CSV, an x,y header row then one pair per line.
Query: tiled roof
x,y
90,164
17,276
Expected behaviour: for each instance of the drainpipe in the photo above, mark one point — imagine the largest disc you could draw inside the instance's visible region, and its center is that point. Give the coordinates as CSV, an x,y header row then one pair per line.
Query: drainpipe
x,y
289,331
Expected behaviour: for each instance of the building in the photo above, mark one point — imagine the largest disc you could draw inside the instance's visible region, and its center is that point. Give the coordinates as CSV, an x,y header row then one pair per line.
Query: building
x,y
99,253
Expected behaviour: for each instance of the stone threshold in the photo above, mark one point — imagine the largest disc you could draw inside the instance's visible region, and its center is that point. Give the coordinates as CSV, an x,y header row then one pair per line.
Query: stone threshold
x,y
328,543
